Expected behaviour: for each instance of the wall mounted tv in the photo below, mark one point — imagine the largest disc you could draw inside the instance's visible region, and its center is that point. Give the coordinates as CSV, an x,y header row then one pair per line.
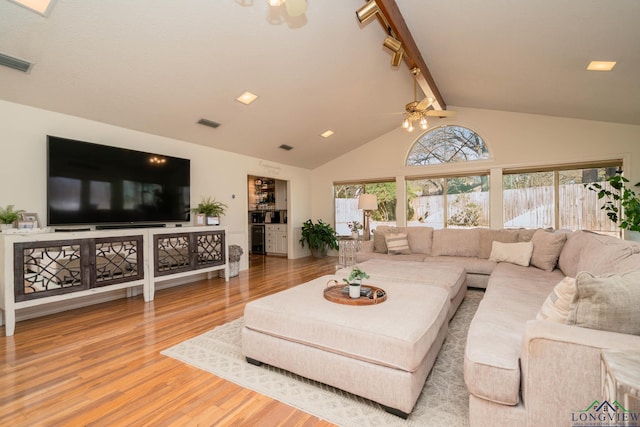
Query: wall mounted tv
x,y
92,184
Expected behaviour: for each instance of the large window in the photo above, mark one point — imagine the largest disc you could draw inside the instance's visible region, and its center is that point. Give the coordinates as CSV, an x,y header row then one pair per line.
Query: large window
x,y
447,144
557,198
448,201
346,204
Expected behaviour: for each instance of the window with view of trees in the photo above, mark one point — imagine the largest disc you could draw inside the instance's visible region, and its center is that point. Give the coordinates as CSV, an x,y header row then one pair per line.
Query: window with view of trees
x,y
557,199
346,204
447,144
448,201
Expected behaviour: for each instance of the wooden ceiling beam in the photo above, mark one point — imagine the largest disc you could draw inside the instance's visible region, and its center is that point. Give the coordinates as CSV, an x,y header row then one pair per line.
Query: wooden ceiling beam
x,y
412,56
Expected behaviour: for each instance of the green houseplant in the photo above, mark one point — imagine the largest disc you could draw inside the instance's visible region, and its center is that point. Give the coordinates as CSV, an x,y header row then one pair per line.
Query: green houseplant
x,y
621,202
211,209
355,281
8,216
319,237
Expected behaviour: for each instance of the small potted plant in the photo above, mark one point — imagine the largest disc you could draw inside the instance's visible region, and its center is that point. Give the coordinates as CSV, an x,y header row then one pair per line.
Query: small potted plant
x,y
211,209
319,237
622,204
354,226
8,217
355,281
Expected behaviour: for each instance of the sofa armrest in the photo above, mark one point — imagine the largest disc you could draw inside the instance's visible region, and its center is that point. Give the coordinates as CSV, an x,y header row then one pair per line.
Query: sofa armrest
x,y
561,370
366,246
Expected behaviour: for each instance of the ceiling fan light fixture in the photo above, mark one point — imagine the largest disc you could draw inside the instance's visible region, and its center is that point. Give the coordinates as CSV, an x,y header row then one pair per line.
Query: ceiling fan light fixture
x,y
423,123
367,11
275,3
405,124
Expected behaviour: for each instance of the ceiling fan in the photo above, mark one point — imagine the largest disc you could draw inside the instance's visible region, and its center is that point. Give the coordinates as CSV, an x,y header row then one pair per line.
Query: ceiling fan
x,y
418,111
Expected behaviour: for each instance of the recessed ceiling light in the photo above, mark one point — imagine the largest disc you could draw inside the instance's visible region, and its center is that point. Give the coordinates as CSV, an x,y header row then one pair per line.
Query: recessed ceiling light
x,y
326,134
601,65
247,98
43,7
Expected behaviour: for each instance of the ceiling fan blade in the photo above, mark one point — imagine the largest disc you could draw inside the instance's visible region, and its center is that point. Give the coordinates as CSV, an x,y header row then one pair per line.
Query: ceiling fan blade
x,y
296,7
441,113
425,103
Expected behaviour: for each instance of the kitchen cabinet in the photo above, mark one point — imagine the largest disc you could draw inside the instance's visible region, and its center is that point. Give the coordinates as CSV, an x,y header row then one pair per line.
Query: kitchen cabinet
x,y
276,239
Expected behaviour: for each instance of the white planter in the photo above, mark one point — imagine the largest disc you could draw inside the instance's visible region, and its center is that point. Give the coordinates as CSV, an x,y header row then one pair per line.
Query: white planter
x,y
355,235
354,291
5,227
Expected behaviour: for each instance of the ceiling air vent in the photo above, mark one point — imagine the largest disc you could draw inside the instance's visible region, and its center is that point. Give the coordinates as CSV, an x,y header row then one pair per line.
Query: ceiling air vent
x,y
15,63
209,123
286,147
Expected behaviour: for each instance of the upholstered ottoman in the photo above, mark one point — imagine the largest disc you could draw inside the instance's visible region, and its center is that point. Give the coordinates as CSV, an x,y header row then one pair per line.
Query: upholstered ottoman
x,y
382,352
451,278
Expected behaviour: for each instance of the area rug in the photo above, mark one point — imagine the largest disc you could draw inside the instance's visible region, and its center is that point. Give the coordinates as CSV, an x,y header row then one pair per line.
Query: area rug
x,y
444,401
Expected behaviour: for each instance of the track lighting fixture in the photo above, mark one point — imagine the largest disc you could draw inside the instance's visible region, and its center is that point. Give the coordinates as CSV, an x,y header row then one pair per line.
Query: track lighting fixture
x,y
367,11
395,46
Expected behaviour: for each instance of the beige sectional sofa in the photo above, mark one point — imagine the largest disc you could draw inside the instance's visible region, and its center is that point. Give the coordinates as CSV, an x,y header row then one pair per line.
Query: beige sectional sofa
x,y
533,353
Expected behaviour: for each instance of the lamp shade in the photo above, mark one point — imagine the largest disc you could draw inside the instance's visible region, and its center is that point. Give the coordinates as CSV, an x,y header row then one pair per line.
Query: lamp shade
x,y
367,202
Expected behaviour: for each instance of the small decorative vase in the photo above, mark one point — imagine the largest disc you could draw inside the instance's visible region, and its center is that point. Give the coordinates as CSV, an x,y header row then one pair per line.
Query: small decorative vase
x,y
354,290
355,235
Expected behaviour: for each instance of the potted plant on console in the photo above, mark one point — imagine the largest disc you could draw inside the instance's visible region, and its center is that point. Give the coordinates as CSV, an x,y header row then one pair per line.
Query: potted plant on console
x,y
621,205
211,209
355,281
319,237
8,217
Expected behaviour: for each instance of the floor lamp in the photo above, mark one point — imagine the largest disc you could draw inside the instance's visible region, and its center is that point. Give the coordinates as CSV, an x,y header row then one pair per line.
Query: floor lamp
x,y
368,203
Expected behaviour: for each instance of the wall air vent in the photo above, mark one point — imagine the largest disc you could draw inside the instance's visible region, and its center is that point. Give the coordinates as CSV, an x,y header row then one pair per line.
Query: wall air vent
x,y
15,63
209,123
286,147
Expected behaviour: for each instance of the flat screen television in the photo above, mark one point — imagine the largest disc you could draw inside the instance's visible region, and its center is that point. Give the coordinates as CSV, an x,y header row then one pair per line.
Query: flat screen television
x,y
93,184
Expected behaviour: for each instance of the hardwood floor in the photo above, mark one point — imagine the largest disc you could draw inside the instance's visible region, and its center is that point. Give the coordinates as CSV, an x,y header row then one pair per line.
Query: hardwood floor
x,y
101,365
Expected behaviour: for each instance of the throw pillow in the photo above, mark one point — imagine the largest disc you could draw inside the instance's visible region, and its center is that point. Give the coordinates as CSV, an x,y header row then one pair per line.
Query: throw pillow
x,y
487,237
608,303
397,243
546,249
515,253
557,306
379,245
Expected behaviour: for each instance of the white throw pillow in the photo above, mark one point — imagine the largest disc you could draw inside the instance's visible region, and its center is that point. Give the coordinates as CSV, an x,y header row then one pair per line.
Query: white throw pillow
x,y
397,243
557,306
515,253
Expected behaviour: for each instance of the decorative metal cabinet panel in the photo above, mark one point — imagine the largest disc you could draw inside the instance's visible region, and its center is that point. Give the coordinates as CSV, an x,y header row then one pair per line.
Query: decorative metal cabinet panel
x,y
46,268
181,252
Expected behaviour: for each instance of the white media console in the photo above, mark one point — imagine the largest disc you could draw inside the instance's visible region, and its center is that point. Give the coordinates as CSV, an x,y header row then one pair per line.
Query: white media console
x,y
42,268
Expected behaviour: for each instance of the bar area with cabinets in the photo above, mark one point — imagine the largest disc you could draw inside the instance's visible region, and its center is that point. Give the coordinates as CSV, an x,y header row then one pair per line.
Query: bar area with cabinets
x,y
267,215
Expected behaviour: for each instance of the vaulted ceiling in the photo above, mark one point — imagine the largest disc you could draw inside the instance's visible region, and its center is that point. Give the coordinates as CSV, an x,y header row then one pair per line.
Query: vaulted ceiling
x,y
158,66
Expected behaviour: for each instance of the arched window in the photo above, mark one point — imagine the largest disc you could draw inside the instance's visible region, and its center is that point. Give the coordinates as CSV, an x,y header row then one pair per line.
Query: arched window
x,y
447,144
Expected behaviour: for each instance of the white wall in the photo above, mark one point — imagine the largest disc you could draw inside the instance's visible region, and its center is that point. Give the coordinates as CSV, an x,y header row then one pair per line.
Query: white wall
x,y
215,173
513,139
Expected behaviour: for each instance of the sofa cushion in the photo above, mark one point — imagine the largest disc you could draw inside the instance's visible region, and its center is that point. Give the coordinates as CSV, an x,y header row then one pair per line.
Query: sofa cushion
x,y
487,237
456,242
570,254
365,256
420,239
609,302
472,265
515,253
525,234
546,249
602,254
397,243
558,304
494,341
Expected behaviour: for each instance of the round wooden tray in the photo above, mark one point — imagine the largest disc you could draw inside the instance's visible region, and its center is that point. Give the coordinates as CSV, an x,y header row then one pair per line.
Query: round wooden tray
x,y
334,294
